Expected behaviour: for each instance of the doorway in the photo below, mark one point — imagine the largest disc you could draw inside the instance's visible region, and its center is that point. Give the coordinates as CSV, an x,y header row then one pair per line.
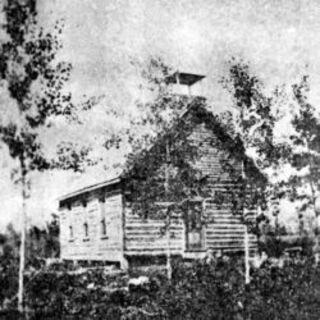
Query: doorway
x,y
195,229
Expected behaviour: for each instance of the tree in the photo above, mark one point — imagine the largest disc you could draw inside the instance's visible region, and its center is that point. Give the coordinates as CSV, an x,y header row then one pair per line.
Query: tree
x,y
34,80
305,148
167,178
255,127
296,151
42,243
10,242
303,185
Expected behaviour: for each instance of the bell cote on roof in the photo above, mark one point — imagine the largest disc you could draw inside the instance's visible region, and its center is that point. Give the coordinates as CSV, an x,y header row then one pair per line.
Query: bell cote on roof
x,y
185,84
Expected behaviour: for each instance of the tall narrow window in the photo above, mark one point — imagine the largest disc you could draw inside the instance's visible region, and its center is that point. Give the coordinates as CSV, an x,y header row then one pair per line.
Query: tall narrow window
x,y
103,227
70,232
86,230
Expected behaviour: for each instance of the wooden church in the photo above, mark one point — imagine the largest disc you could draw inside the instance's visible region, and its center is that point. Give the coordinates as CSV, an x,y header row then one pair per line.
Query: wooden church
x,y
104,222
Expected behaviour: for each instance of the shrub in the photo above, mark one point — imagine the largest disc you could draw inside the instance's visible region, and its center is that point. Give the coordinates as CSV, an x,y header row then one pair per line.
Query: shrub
x,y
197,291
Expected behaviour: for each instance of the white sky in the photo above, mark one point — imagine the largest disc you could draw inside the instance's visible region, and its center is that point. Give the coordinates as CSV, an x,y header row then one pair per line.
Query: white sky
x,y
279,38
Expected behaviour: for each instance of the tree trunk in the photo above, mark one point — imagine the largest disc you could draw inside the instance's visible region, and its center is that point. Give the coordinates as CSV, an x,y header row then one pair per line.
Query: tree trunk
x,y
23,234
166,187
246,235
314,199
169,266
246,256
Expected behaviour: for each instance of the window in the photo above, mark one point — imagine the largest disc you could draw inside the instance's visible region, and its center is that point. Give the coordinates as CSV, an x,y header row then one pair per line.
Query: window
x,y
70,233
86,231
103,228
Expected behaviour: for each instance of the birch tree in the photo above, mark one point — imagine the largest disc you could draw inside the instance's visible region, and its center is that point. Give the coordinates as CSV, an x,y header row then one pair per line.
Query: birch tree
x,y
33,80
303,185
159,168
297,150
254,125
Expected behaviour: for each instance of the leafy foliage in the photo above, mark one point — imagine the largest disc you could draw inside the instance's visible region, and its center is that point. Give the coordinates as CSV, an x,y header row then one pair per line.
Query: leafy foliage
x,y
197,291
9,264
256,125
42,243
305,149
146,174
34,79
160,167
256,121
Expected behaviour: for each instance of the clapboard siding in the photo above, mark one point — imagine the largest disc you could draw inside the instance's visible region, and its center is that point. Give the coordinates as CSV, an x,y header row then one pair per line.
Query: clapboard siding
x,y
223,230
144,236
91,209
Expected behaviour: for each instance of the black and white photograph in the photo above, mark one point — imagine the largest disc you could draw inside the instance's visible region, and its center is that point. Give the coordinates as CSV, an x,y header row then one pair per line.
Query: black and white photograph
x,y
159,160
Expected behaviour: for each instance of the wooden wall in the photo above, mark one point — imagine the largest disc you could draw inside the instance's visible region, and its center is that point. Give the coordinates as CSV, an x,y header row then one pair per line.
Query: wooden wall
x,y
223,231
144,236
96,246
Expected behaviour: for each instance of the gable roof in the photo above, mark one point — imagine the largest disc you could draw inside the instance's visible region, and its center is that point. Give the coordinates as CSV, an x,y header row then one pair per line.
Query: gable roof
x,y
196,107
90,188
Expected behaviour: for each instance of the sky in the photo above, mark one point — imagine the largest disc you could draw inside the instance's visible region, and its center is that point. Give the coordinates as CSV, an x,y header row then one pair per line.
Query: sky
x,y
107,41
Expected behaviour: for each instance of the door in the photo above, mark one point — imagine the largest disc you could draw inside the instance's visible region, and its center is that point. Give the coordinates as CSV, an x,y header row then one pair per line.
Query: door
x,y
195,230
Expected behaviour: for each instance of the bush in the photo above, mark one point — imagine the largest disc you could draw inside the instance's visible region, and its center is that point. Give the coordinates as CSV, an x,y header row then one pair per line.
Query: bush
x,y
8,276
203,291
197,291
217,291
275,246
64,293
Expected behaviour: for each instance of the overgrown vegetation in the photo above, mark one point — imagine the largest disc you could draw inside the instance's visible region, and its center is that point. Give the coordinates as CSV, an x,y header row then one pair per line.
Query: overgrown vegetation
x,y
41,244
199,290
